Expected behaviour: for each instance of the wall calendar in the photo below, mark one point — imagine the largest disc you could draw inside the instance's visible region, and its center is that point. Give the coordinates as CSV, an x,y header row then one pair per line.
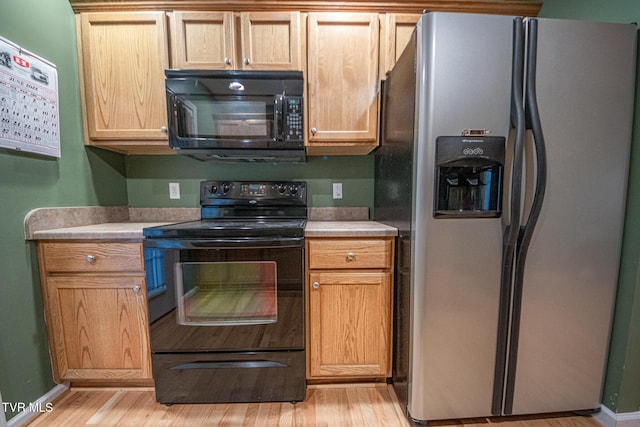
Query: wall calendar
x,y
28,102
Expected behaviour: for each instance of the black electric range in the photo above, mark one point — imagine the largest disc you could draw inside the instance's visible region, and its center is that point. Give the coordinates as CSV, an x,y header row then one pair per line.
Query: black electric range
x,y
226,296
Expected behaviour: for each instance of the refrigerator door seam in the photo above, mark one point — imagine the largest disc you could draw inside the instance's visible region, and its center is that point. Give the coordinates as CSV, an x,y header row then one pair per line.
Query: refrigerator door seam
x,y
510,233
526,231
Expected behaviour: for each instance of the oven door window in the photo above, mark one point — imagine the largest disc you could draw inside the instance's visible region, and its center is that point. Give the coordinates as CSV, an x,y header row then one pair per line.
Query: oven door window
x,y
227,118
226,293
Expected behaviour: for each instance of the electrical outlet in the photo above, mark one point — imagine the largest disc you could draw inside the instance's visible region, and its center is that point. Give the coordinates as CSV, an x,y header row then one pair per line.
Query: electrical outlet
x,y
174,190
337,190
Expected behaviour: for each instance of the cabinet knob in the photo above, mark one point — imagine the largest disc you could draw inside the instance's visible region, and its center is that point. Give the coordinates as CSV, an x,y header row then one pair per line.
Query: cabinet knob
x,y
314,131
351,256
163,129
90,259
227,61
247,61
316,285
136,288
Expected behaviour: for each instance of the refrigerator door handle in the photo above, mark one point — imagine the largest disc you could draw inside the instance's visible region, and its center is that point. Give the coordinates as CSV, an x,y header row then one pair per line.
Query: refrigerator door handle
x,y
511,231
526,231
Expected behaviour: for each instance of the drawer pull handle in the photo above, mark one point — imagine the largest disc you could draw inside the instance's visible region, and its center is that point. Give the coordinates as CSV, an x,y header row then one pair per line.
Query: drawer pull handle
x,y
136,288
90,259
351,256
316,285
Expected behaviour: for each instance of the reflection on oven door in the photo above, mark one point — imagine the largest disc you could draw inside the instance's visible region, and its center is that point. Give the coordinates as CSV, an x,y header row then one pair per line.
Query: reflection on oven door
x,y
226,293
231,300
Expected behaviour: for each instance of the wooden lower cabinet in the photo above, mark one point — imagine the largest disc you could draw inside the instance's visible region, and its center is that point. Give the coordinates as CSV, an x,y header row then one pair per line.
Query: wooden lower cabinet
x,y
96,313
349,290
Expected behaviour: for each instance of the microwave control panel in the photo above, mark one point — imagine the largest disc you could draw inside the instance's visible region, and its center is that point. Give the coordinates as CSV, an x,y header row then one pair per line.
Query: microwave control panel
x,y
293,122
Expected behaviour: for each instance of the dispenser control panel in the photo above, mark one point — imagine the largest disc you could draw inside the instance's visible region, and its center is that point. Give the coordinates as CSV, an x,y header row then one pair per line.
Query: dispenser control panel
x,y
469,173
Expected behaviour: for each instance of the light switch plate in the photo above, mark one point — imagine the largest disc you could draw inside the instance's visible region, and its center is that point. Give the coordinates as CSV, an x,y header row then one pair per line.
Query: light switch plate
x,y
174,190
337,190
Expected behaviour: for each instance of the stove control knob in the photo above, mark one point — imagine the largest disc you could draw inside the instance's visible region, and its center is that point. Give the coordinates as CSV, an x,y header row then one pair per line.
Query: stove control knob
x,y
213,189
225,188
293,189
281,188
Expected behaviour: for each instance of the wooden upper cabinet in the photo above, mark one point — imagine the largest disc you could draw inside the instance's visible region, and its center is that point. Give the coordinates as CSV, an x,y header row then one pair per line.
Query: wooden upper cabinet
x,y
396,31
271,41
211,40
503,7
122,59
343,84
343,50
202,40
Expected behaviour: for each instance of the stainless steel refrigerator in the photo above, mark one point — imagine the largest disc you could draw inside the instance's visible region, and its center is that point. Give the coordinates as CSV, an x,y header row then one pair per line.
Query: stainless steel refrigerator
x,y
503,162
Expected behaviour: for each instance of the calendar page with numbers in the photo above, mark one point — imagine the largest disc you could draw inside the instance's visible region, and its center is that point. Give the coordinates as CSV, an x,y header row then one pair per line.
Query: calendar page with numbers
x,y
28,102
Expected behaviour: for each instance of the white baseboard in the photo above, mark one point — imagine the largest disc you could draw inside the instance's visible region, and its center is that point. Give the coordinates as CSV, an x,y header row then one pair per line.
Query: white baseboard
x,y
30,413
608,418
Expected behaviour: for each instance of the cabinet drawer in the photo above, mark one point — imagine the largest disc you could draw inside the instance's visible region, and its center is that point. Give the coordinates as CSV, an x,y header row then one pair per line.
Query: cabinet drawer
x,y
90,257
347,253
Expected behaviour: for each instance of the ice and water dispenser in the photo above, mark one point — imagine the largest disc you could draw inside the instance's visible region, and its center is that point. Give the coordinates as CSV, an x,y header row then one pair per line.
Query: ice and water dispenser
x,y
469,174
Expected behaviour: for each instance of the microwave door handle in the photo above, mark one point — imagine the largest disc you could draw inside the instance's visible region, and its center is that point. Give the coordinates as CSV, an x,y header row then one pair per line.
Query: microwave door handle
x,y
278,103
172,116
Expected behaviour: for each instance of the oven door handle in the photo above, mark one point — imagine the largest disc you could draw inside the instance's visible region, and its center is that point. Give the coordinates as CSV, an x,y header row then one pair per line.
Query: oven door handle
x,y
253,243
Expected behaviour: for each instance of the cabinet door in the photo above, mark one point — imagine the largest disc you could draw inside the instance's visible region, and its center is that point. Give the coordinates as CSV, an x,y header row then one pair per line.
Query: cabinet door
x,y
99,327
396,32
202,40
271,41
350,324
343,83
124,56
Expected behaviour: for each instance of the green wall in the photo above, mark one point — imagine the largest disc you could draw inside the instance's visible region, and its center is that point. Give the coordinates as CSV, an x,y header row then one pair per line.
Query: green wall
x,y
622,384
79,177
148,178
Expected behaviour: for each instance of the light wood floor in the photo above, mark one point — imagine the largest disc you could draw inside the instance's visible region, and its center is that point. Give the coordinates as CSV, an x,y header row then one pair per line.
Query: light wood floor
x,y
373,405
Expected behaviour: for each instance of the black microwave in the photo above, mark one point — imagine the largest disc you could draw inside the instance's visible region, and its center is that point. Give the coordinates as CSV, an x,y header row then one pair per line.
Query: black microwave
x,y
236,115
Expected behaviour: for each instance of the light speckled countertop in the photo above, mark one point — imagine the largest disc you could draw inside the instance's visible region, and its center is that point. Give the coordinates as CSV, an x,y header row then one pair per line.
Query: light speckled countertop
x,y
127,223
133,230
108,231
100,222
